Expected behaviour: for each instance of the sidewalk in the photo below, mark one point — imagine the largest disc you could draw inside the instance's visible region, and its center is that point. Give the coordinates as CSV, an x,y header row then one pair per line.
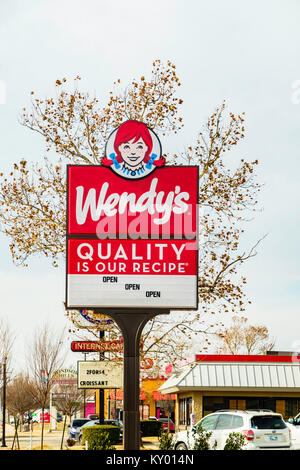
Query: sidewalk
x,y
149,443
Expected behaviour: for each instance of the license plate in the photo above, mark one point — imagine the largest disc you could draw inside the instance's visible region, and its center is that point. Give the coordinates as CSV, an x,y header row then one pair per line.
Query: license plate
x,y
273,438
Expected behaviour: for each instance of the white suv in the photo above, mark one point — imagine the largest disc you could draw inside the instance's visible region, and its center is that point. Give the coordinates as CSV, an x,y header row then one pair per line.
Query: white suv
x,y
262,430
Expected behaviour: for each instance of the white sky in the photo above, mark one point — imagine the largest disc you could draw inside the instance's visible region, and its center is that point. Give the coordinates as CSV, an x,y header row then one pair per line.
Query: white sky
x,y
244,52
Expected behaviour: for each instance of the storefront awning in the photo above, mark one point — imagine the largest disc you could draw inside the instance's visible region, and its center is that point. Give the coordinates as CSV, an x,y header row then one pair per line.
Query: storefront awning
x,y
218,376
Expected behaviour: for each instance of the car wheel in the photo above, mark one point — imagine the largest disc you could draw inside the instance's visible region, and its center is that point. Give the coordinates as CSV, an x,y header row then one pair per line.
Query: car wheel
x,y
181,446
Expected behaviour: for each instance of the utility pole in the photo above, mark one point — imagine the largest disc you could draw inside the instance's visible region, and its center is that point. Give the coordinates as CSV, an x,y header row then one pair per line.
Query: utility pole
x,y
3,402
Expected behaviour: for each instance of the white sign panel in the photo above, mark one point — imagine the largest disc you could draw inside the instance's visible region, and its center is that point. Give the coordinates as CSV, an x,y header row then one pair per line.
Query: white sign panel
x,y
100,374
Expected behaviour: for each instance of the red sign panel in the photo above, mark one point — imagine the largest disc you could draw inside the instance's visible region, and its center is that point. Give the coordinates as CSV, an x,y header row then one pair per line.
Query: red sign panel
x,y
102,203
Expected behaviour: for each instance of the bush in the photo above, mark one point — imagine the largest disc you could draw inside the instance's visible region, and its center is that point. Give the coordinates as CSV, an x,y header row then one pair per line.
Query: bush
x,y
235,441
165,440
201,439
150,427
101,437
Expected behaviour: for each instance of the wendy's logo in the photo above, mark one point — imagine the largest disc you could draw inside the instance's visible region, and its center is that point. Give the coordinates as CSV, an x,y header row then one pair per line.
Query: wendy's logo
x,y
133,150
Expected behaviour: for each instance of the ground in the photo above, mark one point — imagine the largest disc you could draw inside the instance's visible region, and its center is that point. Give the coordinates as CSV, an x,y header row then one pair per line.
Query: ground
x,y
52,440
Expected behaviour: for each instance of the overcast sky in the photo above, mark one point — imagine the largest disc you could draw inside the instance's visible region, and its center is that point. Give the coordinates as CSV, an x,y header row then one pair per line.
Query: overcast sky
x,y
244,52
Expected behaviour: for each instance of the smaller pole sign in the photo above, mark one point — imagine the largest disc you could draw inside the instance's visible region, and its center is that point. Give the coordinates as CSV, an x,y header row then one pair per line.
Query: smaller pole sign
x,y
100,374
97,346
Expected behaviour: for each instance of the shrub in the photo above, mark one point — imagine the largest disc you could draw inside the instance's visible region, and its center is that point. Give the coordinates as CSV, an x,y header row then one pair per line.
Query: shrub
x,y
235,441
201,439
150,427
101,437
165,440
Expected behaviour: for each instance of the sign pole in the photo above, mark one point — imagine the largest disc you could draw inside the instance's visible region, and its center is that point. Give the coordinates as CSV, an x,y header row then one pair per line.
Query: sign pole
x,y
131,325
101,390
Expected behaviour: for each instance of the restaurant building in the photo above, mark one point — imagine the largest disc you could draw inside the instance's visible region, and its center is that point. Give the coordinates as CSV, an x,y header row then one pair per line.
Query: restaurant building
x,y
152,401
207,383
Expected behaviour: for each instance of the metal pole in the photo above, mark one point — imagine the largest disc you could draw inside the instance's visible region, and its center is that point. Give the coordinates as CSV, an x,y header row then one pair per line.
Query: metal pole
x,y
101,390
3,404
84,395
131,324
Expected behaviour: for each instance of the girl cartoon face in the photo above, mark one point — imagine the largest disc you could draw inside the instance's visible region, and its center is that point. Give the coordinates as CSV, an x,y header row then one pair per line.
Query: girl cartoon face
x,y
133,152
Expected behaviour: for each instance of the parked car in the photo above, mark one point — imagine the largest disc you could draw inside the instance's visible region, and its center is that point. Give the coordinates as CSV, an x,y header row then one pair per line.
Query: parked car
x,y
75,427
294,426
112,422
167,424
262,430
152,418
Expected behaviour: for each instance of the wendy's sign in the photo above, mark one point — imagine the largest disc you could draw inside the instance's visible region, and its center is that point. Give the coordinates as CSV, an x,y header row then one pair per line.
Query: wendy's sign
x,y
132,227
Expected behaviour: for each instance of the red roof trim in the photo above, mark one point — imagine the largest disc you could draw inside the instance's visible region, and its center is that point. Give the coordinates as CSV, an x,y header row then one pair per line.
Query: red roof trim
x,y
244,358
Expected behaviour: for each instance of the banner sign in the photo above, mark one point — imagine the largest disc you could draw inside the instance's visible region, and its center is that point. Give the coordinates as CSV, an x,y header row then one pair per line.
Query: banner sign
x,y
100,374
132,227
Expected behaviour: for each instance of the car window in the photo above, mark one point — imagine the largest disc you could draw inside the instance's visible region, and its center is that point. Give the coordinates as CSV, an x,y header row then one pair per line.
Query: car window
x,y
224,422
79,422
237,422
267,422
90,423
209,422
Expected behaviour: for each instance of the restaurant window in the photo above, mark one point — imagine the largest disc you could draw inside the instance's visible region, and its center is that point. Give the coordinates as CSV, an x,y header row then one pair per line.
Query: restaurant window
x,y
292,407
212,404
261,403
185,410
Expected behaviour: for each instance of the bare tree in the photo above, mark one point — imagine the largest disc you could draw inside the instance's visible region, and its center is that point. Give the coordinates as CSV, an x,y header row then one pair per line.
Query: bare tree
x,y
241,338
21,396
7,339
45,356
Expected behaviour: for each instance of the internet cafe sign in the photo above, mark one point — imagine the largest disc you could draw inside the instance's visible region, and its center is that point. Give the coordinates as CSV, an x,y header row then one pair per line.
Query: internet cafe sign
x,y
132,227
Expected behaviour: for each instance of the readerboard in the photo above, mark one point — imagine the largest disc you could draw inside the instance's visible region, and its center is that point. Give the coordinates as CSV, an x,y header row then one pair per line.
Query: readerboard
x,y
100,374
132,273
